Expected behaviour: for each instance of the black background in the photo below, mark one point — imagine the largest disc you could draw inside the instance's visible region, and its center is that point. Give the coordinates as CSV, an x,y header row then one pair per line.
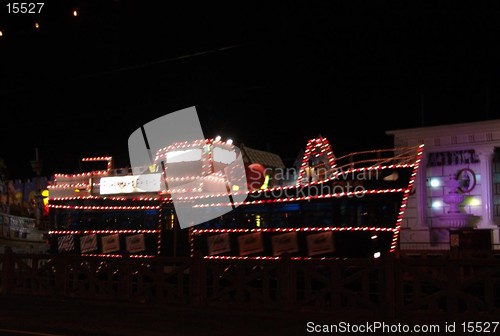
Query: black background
x,y
269,74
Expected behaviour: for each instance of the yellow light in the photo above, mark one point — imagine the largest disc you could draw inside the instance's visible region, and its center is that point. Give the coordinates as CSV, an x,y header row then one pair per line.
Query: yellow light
x,y
472,201
265,185
45,200
37,25
1,33
75,13
236,188
257,220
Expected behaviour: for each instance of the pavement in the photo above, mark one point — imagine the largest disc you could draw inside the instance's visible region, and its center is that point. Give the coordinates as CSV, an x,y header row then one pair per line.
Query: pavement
x,y
24,245
54,317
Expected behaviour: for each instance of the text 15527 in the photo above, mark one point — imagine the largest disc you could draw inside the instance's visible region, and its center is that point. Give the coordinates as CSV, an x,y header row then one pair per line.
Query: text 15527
x,y
24,7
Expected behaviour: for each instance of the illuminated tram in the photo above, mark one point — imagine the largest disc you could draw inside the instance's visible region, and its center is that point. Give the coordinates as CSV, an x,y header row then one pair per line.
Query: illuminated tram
x,y
349,206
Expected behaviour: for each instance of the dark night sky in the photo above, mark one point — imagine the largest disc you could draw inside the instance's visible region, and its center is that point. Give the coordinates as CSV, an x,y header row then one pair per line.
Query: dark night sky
x,y
268,74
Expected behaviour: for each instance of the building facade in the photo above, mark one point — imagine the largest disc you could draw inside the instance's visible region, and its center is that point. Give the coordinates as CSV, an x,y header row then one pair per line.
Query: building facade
x,y
456,199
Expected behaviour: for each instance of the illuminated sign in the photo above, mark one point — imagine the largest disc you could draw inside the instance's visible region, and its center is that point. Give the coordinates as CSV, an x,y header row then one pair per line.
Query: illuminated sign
x,y
130,184
320,243
65,243
88,243
135,243
459,157
110,243
285,243
219,244
250,243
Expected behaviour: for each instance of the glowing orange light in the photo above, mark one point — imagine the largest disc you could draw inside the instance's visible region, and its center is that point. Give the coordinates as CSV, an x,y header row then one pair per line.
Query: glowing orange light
x,y
75,13
37,25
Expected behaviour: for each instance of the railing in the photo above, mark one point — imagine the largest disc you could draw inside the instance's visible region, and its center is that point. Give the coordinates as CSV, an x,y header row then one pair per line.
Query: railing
x,y
424,246
440,248
397,286
379,157
19,228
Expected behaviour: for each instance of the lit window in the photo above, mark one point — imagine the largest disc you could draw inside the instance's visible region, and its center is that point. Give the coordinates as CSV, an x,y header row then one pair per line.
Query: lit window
x,y
472,201
184,156
437,204
435,182
223,155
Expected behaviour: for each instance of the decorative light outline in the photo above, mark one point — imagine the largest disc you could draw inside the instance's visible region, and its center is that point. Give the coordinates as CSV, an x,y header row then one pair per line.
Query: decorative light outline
x,y
312,148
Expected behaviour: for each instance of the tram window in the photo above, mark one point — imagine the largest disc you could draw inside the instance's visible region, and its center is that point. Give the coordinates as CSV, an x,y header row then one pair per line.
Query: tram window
x,y
72,224
279,219
293,207
184,155
286,215
228,220
216,222
151,220
317,206
318,218
345,214
386,215
223,155
318,214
